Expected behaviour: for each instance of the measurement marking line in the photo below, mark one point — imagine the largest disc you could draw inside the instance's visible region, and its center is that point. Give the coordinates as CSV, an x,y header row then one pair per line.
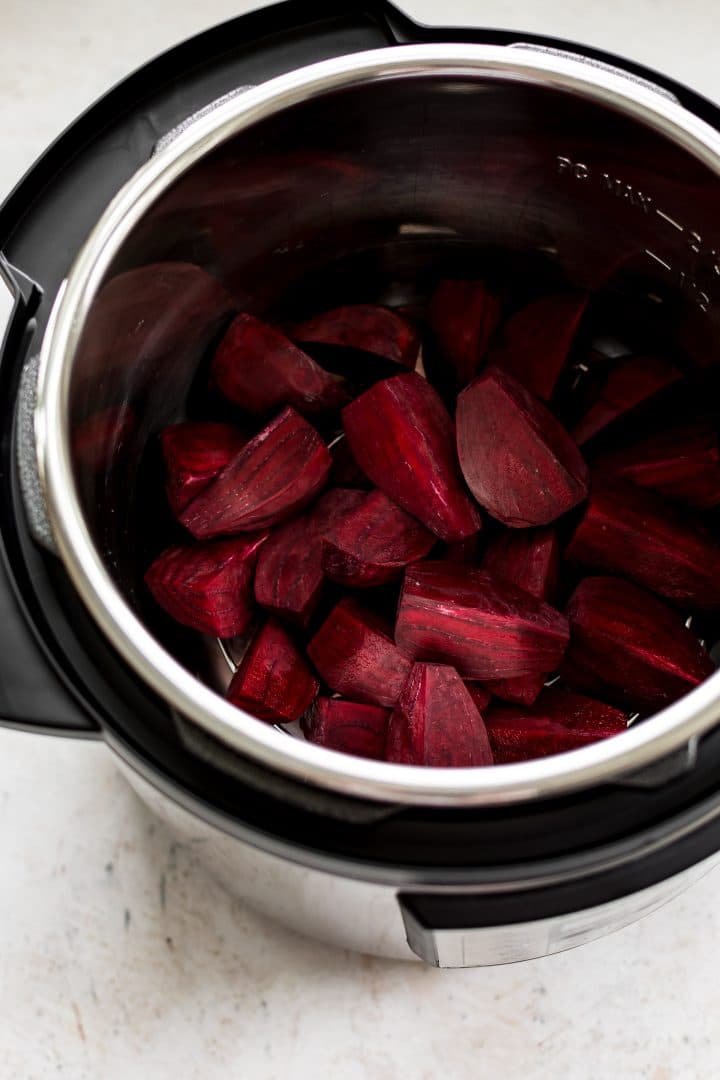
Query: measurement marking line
x,y
658,259
666,217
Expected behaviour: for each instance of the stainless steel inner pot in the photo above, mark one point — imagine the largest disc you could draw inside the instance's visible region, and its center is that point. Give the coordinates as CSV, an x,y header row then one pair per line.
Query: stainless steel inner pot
x,y
360,177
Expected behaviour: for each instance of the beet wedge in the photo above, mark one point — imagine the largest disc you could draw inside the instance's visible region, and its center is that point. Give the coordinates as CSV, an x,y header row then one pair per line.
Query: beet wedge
x,y
208,586
273,681
535,342
347,726
463,316
259,369
436,722
626,530
518,461
194,454
630,648
485,627
401,435
522,690
373,543
558,722
276,474
480,695
289,574
355,655
529,559
681,462
634,381
366,328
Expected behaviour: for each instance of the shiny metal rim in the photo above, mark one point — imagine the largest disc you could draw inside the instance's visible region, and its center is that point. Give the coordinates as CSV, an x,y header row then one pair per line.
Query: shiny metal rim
x,y
666,732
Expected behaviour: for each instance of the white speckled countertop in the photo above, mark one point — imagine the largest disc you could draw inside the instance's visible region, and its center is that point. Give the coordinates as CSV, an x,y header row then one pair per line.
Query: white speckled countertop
x,y
118,957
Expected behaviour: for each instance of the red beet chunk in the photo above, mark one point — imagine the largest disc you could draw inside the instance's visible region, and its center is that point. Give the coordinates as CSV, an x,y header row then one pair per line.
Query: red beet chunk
x,y
485,627
558,722
529,559
365,327
208,586
535,342
681,462
373,543
345,470
626,530
100,439
194,454
523,690
629,647
260,369
356,656
436,722
289,574
348,726
273,681
279,471
463,315
628,385
401,435
518,461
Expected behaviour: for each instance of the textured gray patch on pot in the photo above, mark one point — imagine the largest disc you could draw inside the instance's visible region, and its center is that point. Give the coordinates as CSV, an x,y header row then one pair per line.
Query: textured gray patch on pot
x,y
27,457
566,54
166,139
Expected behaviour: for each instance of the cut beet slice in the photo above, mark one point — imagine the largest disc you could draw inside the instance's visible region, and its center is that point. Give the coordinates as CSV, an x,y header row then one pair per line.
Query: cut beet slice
x,y
518,461
260,369
278,473
629,647
529,559
194,454
559,721
626,530
436,722
373,543
681,462
628,385
524,689
345,470
273,682
463,316
356,656
208,586
289,574
102,438
535,343
365,327
485,627
347,726
401,435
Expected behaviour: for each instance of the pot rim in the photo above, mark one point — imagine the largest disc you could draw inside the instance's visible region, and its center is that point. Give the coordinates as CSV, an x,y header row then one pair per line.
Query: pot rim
x,y
673,728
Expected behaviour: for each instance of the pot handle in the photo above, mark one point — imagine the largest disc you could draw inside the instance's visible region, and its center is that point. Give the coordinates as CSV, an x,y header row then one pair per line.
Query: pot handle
x,y
33,696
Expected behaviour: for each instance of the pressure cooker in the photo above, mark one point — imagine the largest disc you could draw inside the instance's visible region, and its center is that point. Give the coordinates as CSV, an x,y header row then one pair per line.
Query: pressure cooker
x,y
301,148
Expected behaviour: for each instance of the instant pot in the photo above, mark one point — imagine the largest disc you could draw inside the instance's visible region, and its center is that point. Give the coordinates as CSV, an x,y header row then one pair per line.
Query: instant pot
x,y
305,151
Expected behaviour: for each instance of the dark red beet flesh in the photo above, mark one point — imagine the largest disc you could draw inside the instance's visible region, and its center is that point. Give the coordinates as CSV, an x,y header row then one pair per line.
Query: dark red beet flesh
x,y
273,680
194,454
401,435
365,327
208,586
628,647
348,726
373,543
483,626
463,316
519,462
276,474
436,722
